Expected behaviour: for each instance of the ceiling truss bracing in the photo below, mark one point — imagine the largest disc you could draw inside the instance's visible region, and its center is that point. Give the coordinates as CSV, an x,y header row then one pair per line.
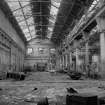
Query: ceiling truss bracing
x,y
77,10
41,19
53,19
86,24
86,19
35,17
8,13
25,18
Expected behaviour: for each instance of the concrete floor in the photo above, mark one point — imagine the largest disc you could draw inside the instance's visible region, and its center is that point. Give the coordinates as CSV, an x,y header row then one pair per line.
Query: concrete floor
x,y
41,84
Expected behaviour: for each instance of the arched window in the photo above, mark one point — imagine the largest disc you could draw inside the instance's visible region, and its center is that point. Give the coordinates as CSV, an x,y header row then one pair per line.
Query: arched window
x,y
52,50
29,51
41,50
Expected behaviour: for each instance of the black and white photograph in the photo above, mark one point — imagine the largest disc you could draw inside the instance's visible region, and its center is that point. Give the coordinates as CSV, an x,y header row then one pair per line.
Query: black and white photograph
x,y
52,52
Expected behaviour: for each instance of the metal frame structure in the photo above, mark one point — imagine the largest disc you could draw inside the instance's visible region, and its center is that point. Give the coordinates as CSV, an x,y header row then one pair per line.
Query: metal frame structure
x,y
86,17
72,28
22,11
59,24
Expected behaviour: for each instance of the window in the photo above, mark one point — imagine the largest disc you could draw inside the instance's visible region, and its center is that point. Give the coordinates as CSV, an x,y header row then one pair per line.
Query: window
x,y
41,50
52,50
29,51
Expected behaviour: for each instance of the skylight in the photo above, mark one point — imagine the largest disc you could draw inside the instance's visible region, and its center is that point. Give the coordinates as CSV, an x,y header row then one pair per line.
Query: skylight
x,y
22,11
29,51
95,2
53,14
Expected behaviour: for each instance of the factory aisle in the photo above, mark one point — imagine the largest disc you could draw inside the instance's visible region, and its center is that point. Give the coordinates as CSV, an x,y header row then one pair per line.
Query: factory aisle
x,y
42,84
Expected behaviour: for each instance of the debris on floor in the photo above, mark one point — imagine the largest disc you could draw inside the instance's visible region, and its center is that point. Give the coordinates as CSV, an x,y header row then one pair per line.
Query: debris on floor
x,y
82,99
31,98
1,89
101,87
35,89
43,101
102,101
55,88
71,90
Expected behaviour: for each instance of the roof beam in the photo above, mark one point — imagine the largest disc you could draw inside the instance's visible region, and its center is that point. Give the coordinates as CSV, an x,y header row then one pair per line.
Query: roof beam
x,y
92,18
24,17
28,1
20,7
65,17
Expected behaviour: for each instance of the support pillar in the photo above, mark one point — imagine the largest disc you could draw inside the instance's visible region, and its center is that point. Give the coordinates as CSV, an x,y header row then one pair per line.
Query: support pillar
x,y
70,57
63,61
76,59
60,62
101,27
66,59
102,54
87,54
87,58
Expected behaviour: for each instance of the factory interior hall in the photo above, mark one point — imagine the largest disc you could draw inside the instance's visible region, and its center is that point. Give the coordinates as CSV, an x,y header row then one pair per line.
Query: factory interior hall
x,y
52,52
